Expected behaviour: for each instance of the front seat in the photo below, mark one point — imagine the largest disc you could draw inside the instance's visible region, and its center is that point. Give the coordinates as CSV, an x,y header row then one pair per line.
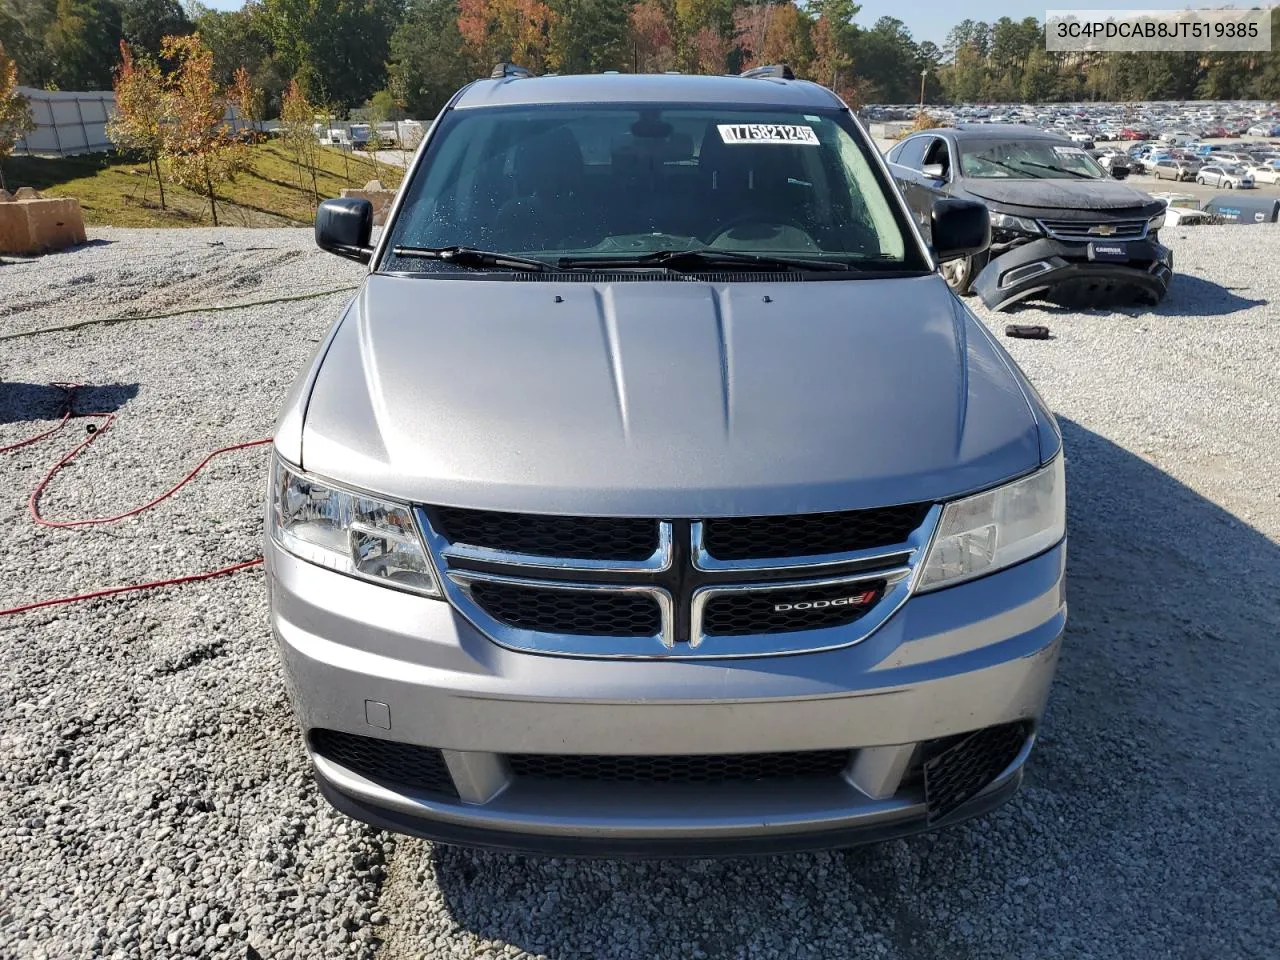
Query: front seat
x,y
546,212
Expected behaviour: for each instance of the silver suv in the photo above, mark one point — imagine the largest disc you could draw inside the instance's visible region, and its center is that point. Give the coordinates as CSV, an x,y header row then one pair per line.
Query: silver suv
x,y
654,495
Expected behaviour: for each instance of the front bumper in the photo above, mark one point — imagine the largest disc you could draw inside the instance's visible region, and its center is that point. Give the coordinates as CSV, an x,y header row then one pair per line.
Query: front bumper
x,y
362,659
1064,273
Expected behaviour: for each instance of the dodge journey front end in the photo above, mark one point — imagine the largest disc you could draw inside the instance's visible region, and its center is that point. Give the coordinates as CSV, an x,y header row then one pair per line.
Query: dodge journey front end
x,y
655,495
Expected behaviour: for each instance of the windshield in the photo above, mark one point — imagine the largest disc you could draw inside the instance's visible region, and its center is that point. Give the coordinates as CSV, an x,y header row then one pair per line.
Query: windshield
x,y
1027,159
620,181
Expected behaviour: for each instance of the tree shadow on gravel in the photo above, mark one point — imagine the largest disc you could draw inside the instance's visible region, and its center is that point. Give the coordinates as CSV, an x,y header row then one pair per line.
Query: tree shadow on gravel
x,y
30,402
1143,828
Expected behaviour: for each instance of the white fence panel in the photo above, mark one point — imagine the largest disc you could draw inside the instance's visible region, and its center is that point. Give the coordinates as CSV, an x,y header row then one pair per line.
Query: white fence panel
x,y
67,123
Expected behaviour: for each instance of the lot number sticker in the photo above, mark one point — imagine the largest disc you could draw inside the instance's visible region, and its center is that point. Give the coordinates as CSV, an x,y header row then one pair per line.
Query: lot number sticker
x,y
767,133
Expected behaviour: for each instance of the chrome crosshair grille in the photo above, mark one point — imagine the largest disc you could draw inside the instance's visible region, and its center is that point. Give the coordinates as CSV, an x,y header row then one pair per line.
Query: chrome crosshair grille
x,y
721,587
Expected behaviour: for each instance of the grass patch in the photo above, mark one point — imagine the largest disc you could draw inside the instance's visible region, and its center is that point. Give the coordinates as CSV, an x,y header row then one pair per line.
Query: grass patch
x,y
118,192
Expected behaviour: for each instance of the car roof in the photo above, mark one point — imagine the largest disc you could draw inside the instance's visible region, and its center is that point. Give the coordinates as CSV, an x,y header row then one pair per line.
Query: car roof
x,y
645,88
995,131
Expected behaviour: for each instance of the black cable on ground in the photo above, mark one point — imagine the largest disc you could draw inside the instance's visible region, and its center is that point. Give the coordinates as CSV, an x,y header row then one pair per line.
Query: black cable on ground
x,y
174,313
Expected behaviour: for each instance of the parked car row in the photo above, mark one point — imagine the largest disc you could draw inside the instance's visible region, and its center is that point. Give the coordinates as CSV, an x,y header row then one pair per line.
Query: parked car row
x,y
1173,123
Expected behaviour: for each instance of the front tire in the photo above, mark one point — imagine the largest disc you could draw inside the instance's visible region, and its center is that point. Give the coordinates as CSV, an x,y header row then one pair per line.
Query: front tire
x,y
961,273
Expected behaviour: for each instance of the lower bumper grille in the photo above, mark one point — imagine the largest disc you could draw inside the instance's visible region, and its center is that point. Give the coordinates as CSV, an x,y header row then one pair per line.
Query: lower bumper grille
x,y
593,613
718,768
962,767
744,613
385,761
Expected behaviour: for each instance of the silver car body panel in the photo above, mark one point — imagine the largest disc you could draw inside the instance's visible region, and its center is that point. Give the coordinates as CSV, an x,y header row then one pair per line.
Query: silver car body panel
x,y
564,397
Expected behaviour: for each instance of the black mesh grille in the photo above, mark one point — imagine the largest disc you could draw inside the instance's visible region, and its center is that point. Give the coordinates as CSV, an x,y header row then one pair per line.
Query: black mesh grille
x,y
720,768
760,538
962,767
385,761
576,538
808,608
586,613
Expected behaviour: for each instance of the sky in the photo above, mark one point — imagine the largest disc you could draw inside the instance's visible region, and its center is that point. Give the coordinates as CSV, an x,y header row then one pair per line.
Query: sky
x,y
931,19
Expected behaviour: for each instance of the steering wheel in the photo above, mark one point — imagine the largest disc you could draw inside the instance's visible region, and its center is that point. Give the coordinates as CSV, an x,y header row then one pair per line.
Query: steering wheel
x,y
759,220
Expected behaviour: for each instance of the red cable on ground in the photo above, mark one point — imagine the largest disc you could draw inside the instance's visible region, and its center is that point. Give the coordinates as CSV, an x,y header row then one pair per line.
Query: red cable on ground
x,y
111,591
33,505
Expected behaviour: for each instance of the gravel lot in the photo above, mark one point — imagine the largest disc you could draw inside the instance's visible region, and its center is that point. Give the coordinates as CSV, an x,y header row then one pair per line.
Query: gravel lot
x,y
154,801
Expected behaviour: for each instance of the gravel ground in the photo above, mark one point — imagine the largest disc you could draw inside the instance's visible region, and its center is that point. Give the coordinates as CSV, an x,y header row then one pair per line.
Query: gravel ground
x,y
154,801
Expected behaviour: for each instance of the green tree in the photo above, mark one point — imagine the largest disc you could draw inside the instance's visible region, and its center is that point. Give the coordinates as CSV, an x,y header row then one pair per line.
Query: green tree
x,y
427,63
336,48
242,38
588,36
83,43
886,57
146,22
1037,77
834,36
23,25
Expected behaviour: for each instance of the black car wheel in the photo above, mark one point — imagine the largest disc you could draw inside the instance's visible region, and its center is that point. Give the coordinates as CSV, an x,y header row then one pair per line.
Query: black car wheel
x,y
961,273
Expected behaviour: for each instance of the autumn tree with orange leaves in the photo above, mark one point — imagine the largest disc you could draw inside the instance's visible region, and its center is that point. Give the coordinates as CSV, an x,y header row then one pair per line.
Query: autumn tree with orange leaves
x,y
15,113
249,99
513,31
199,146
651,36
139,121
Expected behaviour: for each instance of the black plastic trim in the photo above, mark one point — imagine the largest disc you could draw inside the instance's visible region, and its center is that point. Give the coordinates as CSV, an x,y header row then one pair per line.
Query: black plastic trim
x,y
439,831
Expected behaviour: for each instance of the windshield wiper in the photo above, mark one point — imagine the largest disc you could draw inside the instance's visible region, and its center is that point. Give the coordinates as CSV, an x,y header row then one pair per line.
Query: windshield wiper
x,y
1049,166
696,259
471,257
1009,166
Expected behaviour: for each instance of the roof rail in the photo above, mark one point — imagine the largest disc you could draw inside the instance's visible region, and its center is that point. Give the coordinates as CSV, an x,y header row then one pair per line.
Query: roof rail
x,y
780,71
501,71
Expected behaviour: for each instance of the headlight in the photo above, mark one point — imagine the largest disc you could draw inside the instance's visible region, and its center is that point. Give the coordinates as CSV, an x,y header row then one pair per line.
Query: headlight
x,y
996,529
349,532
1002,221
1156,223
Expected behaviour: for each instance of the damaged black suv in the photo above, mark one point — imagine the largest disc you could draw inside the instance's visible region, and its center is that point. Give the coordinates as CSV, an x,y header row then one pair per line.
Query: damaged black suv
x,y
1062,229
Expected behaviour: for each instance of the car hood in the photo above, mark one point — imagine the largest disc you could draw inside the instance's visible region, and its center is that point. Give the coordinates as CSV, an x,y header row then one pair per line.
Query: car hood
x,y
1060,196
678,399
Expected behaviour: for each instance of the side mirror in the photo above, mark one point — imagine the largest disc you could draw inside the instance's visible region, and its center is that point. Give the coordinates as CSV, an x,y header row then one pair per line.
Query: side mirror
x,y
1119,172
960,228
934,171
344,227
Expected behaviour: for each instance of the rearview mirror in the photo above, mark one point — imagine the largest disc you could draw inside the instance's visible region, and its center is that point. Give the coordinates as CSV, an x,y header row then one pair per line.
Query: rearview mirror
x,y
344,227
960,228
934,171
1119,172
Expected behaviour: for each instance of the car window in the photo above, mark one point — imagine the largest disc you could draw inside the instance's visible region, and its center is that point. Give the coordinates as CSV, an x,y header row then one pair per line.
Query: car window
x,y
912,152
600,180
1027,159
